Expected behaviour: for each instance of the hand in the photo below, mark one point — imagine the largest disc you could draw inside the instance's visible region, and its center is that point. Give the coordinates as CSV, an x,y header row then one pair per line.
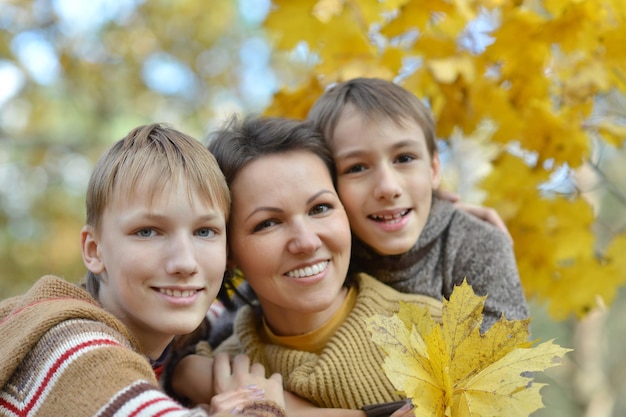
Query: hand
x,y
484,213
487,214
240,374
193,379
233,401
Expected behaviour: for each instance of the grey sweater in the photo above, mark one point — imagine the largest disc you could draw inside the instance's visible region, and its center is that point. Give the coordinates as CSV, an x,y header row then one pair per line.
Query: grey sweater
x,y
453,245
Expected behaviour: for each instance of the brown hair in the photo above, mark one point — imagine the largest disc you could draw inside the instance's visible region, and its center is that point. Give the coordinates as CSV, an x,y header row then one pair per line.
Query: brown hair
x,y
243,141
374,98
160,155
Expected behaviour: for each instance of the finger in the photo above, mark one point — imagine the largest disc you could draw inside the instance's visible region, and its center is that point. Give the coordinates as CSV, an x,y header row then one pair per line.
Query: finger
x,y
277,377
241,364
249,393
221,366
233,401
494,218
448,195
258,370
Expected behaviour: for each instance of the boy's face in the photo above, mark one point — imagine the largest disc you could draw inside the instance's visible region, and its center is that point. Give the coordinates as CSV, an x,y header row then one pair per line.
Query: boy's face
x,y
385,180
161,261
290,236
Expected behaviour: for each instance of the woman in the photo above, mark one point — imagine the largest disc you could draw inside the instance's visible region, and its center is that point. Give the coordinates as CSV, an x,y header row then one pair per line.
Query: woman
x,y
290,237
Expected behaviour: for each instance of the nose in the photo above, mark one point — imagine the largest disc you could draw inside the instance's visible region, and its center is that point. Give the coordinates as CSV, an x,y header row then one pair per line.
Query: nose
x,y
387,185
305,238
181,258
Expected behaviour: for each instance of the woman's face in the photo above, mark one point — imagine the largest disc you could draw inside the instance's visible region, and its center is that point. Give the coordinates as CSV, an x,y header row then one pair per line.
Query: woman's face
x,y
290,236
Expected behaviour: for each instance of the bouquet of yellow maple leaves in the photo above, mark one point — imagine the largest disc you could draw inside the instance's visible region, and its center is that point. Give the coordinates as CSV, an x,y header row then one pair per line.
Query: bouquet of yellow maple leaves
x,y
452,370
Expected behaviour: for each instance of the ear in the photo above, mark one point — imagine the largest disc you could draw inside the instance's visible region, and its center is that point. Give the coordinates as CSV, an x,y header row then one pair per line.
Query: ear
x,y
91,252
435,167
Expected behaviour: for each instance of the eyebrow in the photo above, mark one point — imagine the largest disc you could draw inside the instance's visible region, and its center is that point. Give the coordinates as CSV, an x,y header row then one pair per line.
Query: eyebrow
x,y
156,216
277,210
398,145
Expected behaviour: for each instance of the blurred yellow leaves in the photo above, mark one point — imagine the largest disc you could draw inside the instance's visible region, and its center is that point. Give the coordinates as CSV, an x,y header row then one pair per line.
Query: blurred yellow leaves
x,y
337,31
448,70
553,241
554,135
295,103
325,10
452,370
612,132
415,15
537,76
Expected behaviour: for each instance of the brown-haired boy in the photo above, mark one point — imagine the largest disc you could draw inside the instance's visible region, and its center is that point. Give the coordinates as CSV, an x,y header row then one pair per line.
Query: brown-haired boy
x,y
382,138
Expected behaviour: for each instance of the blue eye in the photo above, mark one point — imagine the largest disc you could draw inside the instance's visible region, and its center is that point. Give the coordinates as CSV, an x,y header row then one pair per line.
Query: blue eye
x,y
205,232
146,232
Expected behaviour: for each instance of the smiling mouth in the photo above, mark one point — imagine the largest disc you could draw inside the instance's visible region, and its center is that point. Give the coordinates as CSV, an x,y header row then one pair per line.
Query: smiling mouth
x,y
391,218
177,293
308,271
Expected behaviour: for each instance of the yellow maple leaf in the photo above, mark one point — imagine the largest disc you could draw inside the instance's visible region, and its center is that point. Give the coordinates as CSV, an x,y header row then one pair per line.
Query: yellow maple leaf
x,y
453,370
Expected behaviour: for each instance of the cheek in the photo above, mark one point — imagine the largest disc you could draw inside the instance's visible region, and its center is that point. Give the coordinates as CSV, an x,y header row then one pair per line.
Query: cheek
x,y
342,232
350,198
422,182
434,182
253,255
214,260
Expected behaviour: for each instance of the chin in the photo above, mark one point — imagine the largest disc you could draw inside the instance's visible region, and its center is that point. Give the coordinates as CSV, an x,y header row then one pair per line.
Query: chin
x,y
182,325
177,330
393,250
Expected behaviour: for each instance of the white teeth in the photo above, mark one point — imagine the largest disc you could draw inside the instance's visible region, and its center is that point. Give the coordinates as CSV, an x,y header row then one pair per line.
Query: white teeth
x,y
308,271
177,293
390,218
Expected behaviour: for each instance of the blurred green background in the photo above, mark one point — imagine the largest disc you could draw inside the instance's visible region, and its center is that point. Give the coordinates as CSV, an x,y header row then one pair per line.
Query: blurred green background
x,y
77,75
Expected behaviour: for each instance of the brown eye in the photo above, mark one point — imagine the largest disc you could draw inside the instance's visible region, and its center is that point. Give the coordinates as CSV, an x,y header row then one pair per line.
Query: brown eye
x,y
355,168
320,209
405,158
266,224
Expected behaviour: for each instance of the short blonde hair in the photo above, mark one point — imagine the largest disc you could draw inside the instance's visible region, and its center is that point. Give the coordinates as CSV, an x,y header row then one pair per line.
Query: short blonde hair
x,y
160,155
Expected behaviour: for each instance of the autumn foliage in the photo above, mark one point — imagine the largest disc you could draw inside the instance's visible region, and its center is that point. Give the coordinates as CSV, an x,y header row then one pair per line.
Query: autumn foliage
x,y
452,370
535,70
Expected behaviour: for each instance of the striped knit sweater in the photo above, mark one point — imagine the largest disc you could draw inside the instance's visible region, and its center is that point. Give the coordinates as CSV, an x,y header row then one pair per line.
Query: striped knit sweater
x,y
348,372
63,355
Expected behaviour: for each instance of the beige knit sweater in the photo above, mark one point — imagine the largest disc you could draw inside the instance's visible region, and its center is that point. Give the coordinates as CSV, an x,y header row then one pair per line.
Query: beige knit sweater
x,y
348,372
